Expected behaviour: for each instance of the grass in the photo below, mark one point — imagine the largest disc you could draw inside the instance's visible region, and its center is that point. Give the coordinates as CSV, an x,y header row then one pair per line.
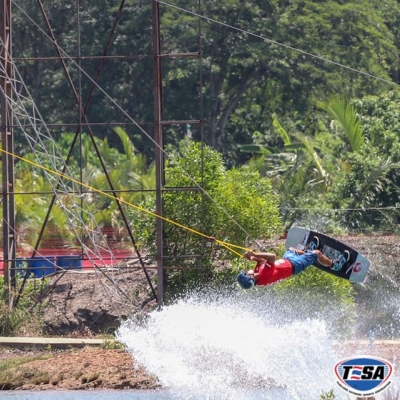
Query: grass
x,y
13,372
328,395
16,362
110,343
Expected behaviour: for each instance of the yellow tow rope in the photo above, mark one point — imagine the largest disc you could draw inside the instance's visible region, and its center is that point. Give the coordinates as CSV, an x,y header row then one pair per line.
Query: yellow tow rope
x,y
227,245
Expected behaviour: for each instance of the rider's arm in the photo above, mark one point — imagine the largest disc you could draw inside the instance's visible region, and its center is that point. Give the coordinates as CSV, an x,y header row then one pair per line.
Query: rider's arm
x,y
260,257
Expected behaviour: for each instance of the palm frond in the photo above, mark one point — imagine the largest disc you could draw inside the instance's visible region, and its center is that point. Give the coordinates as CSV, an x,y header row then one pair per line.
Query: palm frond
x,y
127,144
313,154
344,114
280,130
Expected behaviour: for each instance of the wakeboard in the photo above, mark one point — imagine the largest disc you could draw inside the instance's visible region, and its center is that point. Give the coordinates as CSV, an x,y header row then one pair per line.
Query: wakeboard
x,y
354,270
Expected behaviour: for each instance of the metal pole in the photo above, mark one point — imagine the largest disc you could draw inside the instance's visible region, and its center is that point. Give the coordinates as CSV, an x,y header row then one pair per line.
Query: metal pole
x,y
159,140
7,161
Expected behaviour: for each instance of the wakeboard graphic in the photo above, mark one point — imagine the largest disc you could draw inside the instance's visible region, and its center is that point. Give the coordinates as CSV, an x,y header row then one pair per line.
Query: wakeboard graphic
x,y
354,270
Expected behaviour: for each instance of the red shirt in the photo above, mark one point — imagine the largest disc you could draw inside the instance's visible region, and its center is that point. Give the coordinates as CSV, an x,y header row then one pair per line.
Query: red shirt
x,y
269,273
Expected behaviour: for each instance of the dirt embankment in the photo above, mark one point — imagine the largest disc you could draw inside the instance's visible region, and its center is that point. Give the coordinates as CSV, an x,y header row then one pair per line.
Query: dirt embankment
x,y
97,368
82,305
87,368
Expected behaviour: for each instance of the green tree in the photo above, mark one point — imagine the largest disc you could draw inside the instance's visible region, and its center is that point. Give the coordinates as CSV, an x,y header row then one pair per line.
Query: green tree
x,y
31,208
245,77
129,173
354,165
353,34
235,206
296,166
370,178
335,169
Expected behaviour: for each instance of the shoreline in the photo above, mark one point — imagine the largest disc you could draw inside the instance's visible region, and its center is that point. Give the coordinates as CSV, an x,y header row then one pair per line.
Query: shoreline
x,y
87,368
95,367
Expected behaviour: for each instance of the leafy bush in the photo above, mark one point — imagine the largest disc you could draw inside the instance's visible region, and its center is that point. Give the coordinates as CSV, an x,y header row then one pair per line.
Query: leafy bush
x,y
234,206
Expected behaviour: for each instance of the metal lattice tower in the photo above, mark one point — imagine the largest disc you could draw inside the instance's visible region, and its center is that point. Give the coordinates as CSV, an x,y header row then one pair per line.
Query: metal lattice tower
x,y
19,111
7,139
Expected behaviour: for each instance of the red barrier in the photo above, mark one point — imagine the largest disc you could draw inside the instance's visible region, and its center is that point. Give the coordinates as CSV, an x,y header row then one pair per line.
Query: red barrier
x,y
105,258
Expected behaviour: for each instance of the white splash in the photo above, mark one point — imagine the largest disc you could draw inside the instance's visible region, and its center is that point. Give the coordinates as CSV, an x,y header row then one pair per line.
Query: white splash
x,y
229,346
